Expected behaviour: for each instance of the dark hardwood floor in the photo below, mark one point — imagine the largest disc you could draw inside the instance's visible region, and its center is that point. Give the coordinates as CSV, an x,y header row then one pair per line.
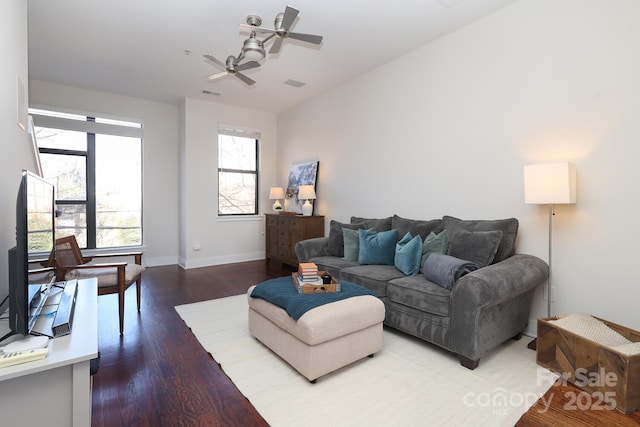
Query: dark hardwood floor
x,y
157,374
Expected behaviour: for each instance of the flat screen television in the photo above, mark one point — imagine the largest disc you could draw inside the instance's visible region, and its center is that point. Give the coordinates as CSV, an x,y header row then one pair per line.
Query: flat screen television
x,y
35,237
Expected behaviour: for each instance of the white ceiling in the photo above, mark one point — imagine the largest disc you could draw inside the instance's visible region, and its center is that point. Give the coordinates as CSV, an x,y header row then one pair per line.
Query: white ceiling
x,y
139,47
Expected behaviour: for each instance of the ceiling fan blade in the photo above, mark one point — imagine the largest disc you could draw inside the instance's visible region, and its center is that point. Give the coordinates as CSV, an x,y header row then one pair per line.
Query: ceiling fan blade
x,y
217,76
275,48
248,65
290,14
245,79
215,61
310,38
251,28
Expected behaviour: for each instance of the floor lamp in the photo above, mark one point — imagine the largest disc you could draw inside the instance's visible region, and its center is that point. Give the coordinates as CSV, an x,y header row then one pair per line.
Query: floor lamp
x,y
549,184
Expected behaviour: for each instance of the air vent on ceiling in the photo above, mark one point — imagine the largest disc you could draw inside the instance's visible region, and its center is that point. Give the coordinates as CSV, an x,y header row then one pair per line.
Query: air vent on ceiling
x,y
449,3
209,92
294,83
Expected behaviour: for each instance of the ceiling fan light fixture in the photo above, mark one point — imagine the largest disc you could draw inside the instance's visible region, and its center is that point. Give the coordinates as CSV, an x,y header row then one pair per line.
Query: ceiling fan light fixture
x,y
253,49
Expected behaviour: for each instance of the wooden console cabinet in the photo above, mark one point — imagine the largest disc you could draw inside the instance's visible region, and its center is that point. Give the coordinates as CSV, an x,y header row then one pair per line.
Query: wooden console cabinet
x,y
284,231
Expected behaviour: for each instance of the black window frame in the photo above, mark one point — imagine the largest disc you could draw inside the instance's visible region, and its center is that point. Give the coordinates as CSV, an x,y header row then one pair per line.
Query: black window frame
x,y
90,202
255,172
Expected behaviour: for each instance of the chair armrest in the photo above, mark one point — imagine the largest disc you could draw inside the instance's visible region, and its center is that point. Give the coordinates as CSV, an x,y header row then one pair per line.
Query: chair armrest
x,y
101,265
120,266
137,256
311,248
40,270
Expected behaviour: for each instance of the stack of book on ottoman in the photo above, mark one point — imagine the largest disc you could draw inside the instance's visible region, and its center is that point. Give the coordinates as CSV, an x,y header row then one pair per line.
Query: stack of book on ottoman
x,y
308,280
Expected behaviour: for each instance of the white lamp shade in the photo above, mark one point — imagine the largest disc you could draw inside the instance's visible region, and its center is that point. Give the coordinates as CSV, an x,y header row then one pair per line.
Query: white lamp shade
x,y
306,192
276,193
552,183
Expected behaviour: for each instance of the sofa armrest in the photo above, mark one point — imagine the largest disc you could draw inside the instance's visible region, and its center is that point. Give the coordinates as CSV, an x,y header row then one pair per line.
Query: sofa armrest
x,y
311,248
499,282
491,304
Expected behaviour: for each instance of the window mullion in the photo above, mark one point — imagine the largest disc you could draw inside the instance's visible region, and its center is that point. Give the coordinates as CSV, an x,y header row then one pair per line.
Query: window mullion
x,y
91,191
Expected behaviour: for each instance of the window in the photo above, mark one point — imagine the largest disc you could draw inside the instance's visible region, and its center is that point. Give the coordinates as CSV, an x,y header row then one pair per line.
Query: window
x,y
96,166
237,171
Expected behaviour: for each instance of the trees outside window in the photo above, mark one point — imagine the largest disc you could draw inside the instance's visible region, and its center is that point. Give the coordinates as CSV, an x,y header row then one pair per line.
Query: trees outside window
x,y
237,173
96,167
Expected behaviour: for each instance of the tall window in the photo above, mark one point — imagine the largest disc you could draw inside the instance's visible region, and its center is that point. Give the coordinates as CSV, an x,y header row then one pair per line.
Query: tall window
x,y
96,167
237,171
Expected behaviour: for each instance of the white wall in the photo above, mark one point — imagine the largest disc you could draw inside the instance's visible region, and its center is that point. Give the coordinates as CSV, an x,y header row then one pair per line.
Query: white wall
x,y
160,158
17,153
220,240
448,128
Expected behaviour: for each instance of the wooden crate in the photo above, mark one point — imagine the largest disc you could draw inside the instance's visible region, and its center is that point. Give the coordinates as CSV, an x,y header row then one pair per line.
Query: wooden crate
x,y
590,366
308,288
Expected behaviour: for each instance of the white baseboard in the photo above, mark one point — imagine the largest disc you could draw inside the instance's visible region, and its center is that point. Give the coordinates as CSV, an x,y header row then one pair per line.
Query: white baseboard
x,y
158,261
227,259
532,328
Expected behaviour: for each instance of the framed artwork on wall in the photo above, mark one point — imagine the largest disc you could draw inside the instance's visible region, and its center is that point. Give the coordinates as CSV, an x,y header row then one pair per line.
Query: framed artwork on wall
x,y
300,174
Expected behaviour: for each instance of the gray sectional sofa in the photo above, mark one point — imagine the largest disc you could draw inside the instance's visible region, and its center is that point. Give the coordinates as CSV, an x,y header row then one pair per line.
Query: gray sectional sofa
x,y
468,312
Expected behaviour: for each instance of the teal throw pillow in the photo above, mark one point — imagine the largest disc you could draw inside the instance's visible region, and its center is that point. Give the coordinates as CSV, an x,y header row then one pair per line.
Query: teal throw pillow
x,y
408,254
434,243
377,247
351,244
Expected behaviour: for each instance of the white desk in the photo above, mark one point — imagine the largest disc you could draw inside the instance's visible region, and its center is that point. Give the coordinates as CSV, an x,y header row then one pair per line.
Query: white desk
x,y
56,391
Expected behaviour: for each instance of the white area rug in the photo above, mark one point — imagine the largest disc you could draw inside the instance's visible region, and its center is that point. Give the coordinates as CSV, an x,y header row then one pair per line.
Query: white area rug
x,y
408,383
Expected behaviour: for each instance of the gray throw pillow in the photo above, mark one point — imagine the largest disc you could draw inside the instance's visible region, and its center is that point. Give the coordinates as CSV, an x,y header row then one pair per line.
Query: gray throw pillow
x,y
479,247
508,226
378,224
335,246
416,227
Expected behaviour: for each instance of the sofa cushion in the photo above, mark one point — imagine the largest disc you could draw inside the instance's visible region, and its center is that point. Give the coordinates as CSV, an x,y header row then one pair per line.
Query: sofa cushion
x,y
432,328
408,254
374,277
378,224
417,292
377,247
434,243
509,228
478,247
351,244
332,264
335,245
416,227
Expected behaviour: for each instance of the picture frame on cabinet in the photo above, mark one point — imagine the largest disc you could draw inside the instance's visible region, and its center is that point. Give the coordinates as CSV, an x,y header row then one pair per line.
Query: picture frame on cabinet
x,y
300,174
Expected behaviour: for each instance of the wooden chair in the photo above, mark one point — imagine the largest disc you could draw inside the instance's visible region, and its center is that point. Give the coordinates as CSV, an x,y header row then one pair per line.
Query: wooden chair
x,y
113,277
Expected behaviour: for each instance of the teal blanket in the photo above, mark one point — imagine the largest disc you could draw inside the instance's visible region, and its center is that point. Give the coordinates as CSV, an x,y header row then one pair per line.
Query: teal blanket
x,y
282,293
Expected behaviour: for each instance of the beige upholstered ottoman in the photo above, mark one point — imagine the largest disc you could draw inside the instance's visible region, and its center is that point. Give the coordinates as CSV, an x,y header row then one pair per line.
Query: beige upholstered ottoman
x,y
325,338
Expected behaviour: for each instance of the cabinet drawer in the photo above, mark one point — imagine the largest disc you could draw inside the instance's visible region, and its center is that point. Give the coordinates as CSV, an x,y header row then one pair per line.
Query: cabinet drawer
x,y
295,224
272,221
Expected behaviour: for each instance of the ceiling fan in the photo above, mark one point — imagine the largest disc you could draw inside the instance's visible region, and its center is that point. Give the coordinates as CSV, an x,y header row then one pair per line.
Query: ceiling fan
x,y
232,67
253,48
281,31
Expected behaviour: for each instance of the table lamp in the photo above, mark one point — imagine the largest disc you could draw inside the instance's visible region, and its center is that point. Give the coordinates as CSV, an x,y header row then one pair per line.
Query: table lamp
x,y
276,193
306,193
